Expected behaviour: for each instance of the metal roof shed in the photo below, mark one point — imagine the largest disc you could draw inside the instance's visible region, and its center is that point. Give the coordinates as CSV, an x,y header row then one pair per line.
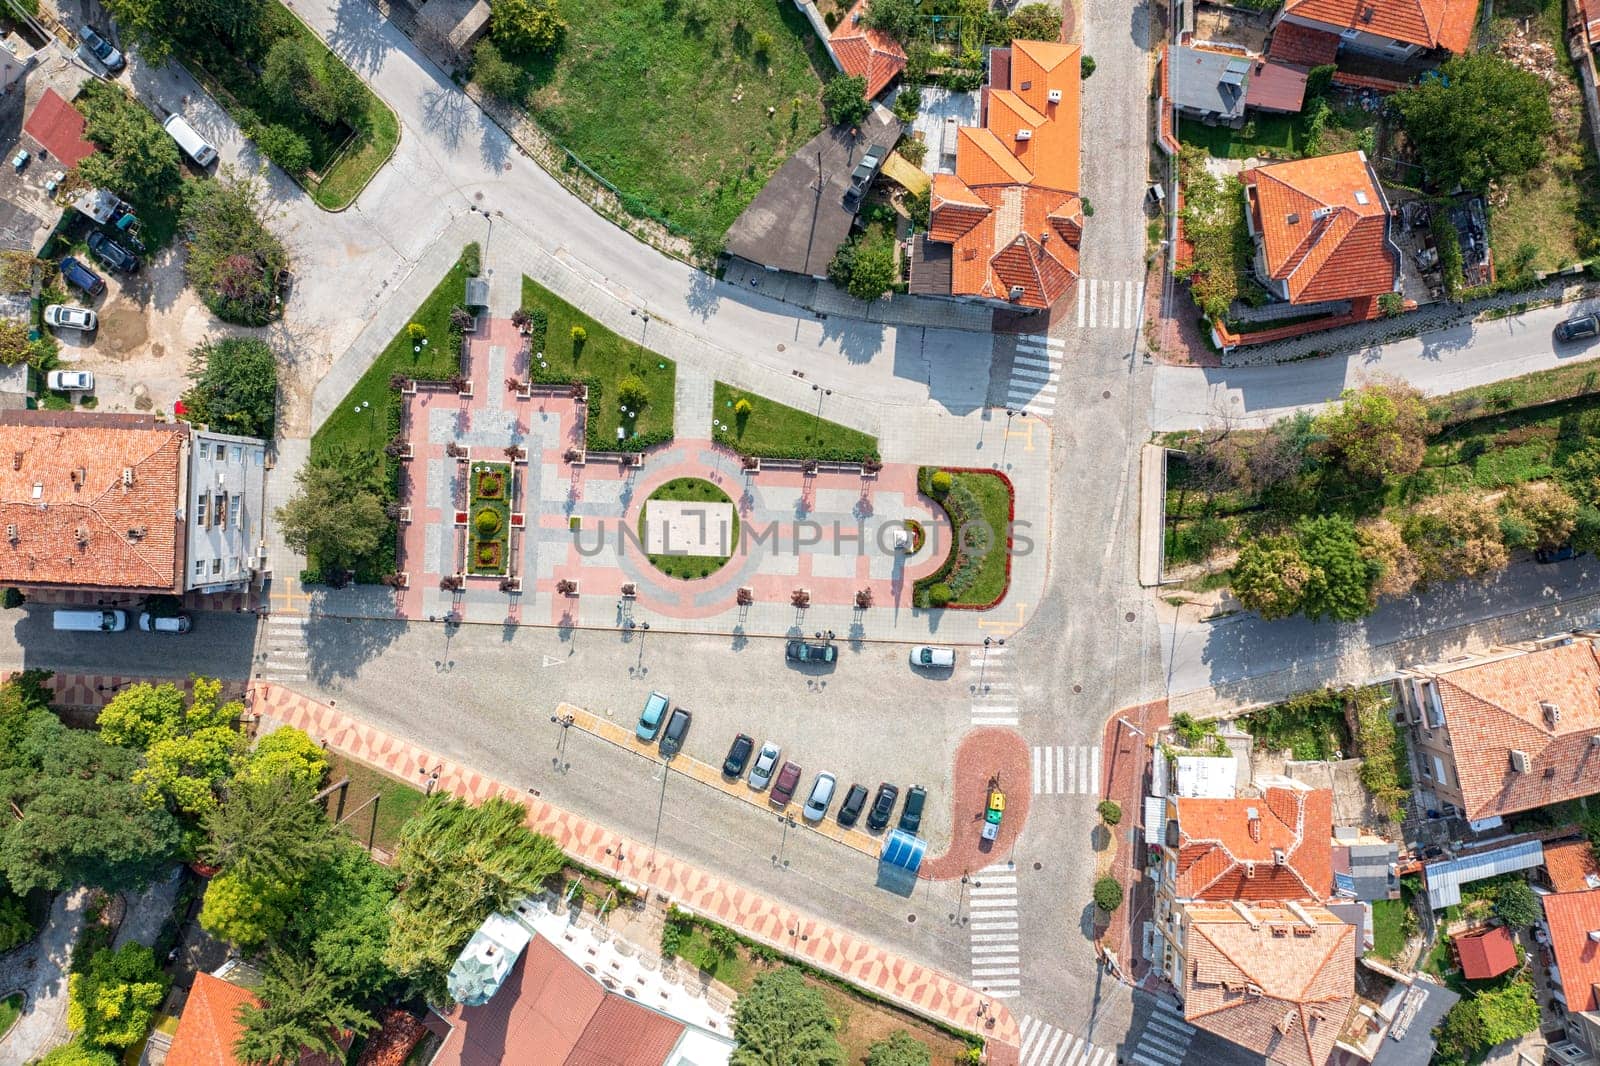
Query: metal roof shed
x,y
477,292
1446,878
900,861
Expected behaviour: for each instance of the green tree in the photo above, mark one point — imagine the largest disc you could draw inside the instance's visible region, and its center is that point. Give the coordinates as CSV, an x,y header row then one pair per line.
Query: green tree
x,y
1545,513
1378,431
300,75
900,19
494,73
284,147
1461,1034
1481,120
864,267
1035,22
1270,576
632,393
185,772
783,1021
235,386
302,1009
14,925
134,155
342,919
15,345
268,827
459,863
1516,904
1108,894
156,26
1340,574
844,99
1454,535
234,259
77,1053
1383,543
900,1049
112,1001
247,910
336,516
526,25
142,714
287,752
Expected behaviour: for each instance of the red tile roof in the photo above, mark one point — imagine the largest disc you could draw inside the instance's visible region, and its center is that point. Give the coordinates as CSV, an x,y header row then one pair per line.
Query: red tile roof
x,y
1487,954
1224,854
59,126
1572,916
1443,24
1589,14
209,1024
1571,865
1302,45
94,499
864,52
1324,227
550,1013
1011,211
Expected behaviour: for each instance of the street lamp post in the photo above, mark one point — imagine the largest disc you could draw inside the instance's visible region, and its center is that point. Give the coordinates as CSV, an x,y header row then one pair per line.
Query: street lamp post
x,y
821,394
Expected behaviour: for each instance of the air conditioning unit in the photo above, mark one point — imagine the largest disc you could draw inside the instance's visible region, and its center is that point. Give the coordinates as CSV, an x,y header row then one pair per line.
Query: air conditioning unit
x,y
1016,292
11,535
1519,761
127,475
1055,96
1024,135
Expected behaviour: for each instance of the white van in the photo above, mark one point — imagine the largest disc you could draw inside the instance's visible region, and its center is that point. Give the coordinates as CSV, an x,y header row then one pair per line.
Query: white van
x,y
189,139
90,621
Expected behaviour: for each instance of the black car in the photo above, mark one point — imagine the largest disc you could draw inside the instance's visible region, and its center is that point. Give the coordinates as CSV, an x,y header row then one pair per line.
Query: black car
x,y
850,809
1556,555
882,806
1583,327
803,651
738,755
112,254
911,817
677,727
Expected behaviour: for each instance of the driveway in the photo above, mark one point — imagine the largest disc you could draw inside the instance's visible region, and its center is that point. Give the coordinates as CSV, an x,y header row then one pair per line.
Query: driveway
x,y
39,970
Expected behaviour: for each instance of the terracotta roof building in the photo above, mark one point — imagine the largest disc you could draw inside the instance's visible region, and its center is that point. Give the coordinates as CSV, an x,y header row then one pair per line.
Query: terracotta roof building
x,y
59,127
1275,847
1275,978
1509,731
209,1025
1574,922
1011,212
1487,954
1570,867
1321,229
1303,46
1393,29
863,52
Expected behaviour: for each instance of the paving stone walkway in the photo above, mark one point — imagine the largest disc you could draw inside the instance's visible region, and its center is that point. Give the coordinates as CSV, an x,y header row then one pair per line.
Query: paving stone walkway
x,y
898,980
38,969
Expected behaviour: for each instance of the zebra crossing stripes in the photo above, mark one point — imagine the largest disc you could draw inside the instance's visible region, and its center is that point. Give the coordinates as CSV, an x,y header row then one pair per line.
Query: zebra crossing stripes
x,y
1045,1045
284,655
1035,373
1109,304
1066,769
1165,1038
992,925
994,694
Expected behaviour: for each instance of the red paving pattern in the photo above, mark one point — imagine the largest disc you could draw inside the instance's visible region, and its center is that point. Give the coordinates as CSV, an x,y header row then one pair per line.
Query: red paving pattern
x,y
1127,757
897,980
93,691
982,754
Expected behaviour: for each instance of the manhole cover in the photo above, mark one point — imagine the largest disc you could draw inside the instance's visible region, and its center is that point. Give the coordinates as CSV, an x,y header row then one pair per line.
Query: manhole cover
x,y
1106,395
912,918
477,196
782,347
1038,866
1077,688
1129,617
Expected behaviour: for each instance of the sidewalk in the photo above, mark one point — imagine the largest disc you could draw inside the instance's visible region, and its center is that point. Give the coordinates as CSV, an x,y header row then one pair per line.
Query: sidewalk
x,y
905,984
1127,758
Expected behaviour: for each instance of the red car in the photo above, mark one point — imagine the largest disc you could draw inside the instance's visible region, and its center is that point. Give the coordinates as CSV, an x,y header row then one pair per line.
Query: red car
x,y
788,780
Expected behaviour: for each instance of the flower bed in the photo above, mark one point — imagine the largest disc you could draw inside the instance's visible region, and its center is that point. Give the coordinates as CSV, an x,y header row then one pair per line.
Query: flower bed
x,y
489,519
980,505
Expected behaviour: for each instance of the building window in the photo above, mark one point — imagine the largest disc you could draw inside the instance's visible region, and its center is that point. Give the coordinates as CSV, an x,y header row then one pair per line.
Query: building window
x,y
235,453
201,513
216,567
234,504
199,568
222,510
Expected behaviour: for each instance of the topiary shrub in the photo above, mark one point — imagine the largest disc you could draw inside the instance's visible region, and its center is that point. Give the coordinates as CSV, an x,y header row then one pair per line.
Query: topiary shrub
x,y
1107,894
11,598
939,595
631,392
416,333
487,522
1110,812
941,481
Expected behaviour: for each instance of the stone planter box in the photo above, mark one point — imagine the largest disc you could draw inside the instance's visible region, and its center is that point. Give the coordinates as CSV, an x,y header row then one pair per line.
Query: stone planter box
x,y
517,519
461,518
512,585
465,392
409,388
405,516
629,590
521,456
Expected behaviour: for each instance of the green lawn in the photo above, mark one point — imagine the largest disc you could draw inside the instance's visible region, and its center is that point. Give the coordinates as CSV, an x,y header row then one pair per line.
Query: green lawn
x,y
10,1011
488,549
689,567
774,431
342,160
1273,137
978,568
378,823
602,360
668,102
1388,925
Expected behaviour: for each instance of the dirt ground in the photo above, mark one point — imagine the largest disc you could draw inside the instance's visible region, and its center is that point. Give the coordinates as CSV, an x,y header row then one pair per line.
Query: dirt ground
x,y
1226,26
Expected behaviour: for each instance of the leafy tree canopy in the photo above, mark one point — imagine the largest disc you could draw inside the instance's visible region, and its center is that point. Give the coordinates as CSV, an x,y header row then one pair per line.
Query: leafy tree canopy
x,y
783,1021
234,259
1480,120
269,828
900,19
157,26
1516,904
336,515
1270,576
112,1002
135,156
844,99
235,386
1340,575
77,1053
287,752
1377,432
302,1009
526,25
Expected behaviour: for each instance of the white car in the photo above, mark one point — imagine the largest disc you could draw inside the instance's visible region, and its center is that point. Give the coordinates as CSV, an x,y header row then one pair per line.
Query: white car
x,y
177,623
927,655
70,381
821,796
65,316
766,762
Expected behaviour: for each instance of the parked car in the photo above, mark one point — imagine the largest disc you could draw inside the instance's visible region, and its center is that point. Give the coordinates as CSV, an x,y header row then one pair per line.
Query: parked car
x,y
819,799
926,655
850,809
66,316
655,709
112,254
70,381
738,755
101,49
176,623
788,781
805,651
75,273
84,620
911,817
766,761
677,729
1582,327
1556,555
882,805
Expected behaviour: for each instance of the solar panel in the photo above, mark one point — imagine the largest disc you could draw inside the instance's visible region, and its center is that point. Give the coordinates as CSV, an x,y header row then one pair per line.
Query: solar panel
x,y
1238,66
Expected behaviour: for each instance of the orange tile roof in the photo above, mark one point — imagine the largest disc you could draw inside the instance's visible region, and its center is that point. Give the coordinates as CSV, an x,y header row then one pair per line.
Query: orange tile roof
x,y
1572,916
1223,854
1302,45
1268,981
76,485
1570,866
1011,212
1317,235
1493,708
864,52
1487,954
1589,12
209,1024
59,127
1443,24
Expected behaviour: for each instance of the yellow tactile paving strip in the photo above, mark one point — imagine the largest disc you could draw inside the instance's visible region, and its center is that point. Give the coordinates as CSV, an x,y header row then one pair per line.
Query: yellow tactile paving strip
x,y
623,736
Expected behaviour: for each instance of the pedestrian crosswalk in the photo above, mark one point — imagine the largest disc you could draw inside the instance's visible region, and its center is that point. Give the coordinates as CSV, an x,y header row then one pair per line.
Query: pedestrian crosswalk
x,y
1045,1045
994,695
1035,374
1066,769
1109,304
283,651
992,923
1164,1040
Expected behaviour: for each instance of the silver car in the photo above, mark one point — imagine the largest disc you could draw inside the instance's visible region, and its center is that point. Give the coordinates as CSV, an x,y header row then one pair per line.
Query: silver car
x,y
66,316
762,769
821,796
70,381
930,657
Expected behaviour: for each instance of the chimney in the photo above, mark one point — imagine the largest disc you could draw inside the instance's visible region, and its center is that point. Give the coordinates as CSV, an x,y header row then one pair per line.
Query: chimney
x,y
16,460
1253,819
1594,935
1301,913
82,533
1519,761
1294,218
1246,913
1279,857
127,475
1552,713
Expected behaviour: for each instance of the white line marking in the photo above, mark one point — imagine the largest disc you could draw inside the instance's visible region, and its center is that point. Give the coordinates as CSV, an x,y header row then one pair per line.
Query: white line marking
x,y
1037,760
994,938
1094,769
1094,296
1082,285
985,926
1049,775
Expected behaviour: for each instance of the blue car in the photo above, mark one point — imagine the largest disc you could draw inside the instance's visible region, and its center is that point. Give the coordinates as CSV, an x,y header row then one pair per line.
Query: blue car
x,y
75,273
655,709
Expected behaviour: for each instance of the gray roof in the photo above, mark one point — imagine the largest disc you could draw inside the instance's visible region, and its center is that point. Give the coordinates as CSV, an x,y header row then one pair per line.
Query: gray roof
x,y
1209,82
801,217
1446,878
1409,1041
1370,869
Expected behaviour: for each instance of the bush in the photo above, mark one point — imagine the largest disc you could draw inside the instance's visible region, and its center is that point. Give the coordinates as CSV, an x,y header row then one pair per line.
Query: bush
x,y
914,152
907,102
631,392
578,334
286,148
1035,22
495,74
486,522
1086,65
844,99
1516,904
941,481
939,595
1108,894
762,44
234,259
1391,304
1110,812
742,409
11,598
526,25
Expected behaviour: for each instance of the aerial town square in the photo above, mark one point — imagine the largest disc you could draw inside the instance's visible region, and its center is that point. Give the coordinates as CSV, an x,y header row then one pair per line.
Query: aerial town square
x,y
799,532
